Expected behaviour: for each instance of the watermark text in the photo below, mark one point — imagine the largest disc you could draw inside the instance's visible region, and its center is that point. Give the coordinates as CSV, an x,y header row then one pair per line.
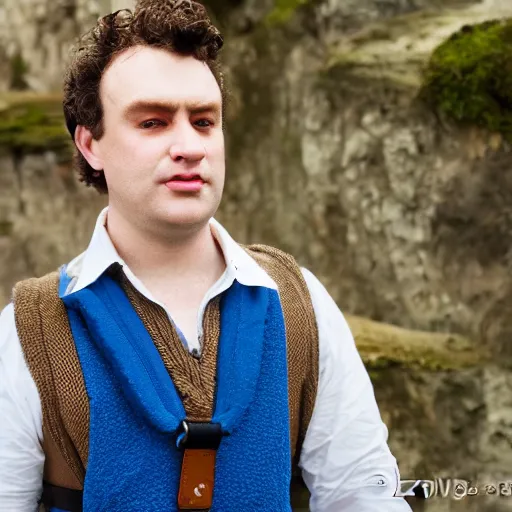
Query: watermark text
x,y
454,488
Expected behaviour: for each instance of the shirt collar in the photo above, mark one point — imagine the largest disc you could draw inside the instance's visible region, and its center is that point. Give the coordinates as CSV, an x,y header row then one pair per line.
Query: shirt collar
x,y
86,268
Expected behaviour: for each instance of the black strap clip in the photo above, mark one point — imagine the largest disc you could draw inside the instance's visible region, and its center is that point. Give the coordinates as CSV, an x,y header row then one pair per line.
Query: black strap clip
x,y
199,435
61,498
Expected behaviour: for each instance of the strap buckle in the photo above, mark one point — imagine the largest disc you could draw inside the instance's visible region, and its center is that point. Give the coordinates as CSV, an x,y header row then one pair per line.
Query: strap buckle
x,y
199,435
199,442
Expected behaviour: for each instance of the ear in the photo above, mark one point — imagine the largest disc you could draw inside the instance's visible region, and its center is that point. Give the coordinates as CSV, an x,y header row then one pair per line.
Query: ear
x,y
88,146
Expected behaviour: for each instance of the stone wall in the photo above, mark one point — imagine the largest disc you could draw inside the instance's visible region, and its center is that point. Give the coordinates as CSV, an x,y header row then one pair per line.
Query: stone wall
x,y
40,32
46,217
403,215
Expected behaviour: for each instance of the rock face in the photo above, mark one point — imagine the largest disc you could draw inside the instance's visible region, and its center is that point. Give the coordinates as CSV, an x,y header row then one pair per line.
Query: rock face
x,y
45,217
404,216
45,214
39,33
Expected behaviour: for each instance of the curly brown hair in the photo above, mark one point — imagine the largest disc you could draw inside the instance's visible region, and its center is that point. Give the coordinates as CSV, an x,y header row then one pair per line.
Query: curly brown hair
x,y
180,26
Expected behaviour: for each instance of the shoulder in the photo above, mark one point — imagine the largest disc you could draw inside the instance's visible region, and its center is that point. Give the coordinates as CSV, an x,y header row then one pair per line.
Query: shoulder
x,y
34,289
280,266
338,352
322,300
35,304
271,256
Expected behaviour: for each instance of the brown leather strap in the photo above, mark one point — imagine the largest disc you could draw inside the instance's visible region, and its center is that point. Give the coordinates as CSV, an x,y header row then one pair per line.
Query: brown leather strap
x,y
197,480
200,441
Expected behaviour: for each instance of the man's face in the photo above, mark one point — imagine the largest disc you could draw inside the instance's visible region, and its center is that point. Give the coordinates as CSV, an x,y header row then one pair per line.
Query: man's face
x,y
162,126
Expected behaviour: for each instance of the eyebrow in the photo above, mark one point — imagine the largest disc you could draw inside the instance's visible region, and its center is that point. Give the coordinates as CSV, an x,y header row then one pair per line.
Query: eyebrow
x,y
195,107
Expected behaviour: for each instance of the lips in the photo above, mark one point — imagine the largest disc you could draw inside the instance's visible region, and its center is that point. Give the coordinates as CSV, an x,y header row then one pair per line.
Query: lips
x,y
185,183
186,177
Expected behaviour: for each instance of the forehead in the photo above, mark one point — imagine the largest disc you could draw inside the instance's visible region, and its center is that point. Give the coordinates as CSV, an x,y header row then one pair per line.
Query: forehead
x,y
159,75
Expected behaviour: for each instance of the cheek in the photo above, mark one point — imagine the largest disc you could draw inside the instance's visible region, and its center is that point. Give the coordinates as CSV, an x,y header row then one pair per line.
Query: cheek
x,y
131,151
216,149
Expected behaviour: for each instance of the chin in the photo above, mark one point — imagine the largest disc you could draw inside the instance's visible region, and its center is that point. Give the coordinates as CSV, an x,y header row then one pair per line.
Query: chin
x,y
190,218
184,211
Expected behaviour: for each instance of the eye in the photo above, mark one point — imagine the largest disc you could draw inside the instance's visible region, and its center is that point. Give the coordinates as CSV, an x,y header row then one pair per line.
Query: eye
x,y
203,123
151,123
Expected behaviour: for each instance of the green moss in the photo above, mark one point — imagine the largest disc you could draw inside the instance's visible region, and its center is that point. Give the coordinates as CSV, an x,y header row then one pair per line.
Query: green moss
x,y
469,77
33,125
283,10
378,357
384,346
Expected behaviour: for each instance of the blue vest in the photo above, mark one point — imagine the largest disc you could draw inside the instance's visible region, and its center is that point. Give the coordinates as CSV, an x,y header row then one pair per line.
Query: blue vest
x,y
135,409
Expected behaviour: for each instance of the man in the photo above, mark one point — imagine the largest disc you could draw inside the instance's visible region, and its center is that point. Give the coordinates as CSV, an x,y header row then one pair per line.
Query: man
x,y
99,394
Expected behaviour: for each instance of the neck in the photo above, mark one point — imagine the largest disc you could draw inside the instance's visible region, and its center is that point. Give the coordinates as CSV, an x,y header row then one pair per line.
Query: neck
x,y
180,255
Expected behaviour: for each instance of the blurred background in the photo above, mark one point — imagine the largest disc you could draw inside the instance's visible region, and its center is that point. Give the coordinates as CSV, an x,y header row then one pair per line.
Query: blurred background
x,y
371,139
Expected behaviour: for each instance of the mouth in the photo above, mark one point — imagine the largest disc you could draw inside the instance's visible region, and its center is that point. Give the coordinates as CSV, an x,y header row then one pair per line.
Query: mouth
x,y
187,177
185,183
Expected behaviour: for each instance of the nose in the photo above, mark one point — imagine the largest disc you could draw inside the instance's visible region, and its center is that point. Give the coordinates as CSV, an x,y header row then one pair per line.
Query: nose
x,y
187,145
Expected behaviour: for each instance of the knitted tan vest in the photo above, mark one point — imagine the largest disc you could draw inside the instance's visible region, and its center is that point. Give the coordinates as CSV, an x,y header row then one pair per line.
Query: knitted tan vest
x,y
49,349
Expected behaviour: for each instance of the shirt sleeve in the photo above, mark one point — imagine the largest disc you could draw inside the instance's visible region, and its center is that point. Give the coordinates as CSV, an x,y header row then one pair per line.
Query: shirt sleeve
x,y
21,453
345,460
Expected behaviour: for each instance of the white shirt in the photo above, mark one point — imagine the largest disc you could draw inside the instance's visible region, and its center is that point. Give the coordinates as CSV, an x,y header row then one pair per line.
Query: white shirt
x,y
345,459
